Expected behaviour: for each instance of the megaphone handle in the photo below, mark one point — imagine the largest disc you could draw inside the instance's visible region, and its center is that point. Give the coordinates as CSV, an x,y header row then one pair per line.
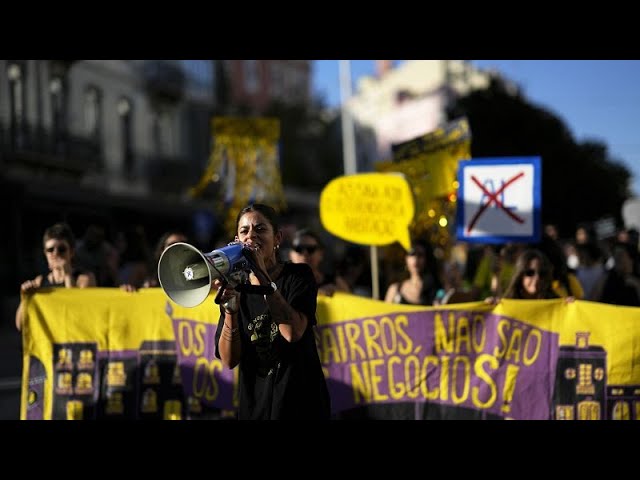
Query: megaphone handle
x,y
218,298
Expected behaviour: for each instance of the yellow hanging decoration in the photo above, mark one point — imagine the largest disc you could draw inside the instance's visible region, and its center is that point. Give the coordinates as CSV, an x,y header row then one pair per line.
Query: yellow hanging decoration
x,y
430,165
244,165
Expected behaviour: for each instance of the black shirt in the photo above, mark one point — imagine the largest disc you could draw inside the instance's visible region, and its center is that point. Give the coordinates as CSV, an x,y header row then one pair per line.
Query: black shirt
x,y
280,379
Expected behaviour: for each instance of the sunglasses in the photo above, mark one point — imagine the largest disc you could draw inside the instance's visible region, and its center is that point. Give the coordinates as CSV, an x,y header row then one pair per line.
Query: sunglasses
x,y
61,249
310,249
532,272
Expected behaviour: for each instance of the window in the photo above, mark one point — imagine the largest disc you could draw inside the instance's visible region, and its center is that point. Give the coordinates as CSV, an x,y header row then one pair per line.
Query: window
x,y
251,76
585,384
92,112
276,81
162,133
57,98
15,72
125,113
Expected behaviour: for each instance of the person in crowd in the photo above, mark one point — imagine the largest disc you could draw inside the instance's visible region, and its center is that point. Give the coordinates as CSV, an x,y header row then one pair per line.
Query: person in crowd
x,y
532,279
306,247
95,253
266,328
565,283
551,229
619,285
456,289
585,233
590,268
59,250
166,240
134,257
495,270
423,282
353,268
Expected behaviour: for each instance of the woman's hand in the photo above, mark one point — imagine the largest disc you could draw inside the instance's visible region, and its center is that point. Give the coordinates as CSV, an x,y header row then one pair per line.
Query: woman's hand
x,y
29,286
228,296
492,300
328,289
256,258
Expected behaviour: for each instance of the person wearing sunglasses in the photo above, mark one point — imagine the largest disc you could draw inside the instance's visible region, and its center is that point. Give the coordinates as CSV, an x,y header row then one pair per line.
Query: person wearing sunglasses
x,y
59,244
307,248
532,278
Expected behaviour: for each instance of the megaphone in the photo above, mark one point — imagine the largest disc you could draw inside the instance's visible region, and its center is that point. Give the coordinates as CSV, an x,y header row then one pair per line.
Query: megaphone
x,y
185,273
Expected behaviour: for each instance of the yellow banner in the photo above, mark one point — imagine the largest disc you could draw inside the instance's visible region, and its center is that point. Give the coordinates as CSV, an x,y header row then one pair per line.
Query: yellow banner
x,y
103,353
430,165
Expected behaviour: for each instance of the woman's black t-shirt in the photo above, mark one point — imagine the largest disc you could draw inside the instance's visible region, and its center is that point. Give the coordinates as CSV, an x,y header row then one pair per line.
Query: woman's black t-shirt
x,y
279,379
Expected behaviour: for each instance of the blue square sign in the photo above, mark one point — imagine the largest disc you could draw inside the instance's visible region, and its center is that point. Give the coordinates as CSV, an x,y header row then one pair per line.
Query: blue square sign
x,y
499,200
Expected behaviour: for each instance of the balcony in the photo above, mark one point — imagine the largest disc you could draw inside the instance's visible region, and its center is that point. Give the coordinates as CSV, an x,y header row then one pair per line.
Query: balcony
x,y
38,149
164,81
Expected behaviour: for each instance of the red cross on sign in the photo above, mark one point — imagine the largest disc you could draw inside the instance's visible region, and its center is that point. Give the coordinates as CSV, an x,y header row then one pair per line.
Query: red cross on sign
x,y
499,200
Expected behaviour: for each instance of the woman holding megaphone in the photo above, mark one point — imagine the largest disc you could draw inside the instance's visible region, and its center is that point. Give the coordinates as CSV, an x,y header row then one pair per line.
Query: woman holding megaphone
x,y
266,327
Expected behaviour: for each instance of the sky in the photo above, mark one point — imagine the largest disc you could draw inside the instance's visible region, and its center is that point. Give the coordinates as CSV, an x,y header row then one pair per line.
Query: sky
x,y
596,99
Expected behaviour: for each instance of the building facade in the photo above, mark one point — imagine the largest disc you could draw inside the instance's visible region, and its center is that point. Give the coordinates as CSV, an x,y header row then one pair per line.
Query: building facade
x,y
398,104
256,83
102,141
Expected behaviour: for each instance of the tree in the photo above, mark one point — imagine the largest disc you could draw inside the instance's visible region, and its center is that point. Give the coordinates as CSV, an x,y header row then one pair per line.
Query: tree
x,y
580,182
309,155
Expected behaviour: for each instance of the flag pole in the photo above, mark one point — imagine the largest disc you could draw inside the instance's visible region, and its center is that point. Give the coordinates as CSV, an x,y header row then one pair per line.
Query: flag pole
x,y
349,156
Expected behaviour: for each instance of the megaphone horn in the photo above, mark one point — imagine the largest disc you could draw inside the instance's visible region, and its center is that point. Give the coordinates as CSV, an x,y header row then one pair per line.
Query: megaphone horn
x,y
185,273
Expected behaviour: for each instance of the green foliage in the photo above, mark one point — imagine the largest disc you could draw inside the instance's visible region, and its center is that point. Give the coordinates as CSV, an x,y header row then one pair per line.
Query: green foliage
x,y
308,156
580,183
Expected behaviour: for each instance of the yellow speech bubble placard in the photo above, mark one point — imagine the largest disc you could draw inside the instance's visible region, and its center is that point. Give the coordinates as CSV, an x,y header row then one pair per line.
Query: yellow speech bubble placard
x,y
368,208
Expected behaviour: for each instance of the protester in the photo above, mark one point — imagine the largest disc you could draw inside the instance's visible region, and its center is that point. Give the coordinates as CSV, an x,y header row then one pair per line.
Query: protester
x,y
353,269
619,285
269,333
59,250
532,279
166,240
135,256
307,248
423,282
564,281
95,253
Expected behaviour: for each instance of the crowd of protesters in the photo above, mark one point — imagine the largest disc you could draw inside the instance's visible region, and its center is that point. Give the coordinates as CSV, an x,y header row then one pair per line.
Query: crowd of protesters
x,y
584,267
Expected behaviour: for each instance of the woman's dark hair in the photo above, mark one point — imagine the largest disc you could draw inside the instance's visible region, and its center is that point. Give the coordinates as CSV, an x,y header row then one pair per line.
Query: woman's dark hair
x,y
160,247
266,210
552,249
545,290
60,231
306,232
431,282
